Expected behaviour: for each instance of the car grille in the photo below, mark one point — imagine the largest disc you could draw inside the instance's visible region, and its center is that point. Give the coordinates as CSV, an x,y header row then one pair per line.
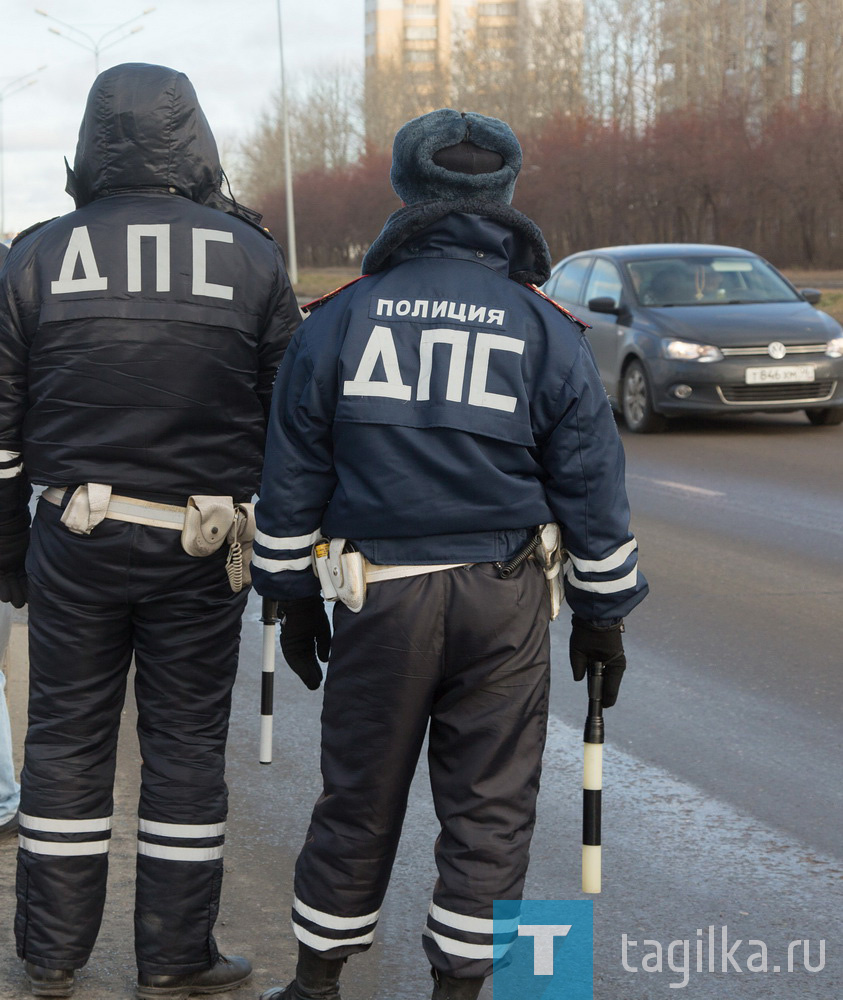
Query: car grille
x,y
798,393
763,352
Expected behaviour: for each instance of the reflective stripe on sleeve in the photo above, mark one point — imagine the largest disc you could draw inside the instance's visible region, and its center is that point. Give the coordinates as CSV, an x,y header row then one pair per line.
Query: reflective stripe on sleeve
x,y
602,587
46,825
293,542
617,558
280,565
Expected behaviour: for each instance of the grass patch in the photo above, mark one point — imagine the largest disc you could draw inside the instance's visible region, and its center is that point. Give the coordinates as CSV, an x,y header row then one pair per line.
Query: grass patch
x,y
316,281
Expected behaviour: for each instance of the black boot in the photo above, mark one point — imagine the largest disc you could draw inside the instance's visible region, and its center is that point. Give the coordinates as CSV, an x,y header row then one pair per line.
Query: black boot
x,y
49,982
448,988
317,978
226,974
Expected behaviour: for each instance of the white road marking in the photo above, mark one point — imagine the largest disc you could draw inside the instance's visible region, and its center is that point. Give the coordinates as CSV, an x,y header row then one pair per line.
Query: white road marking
x,y
696,490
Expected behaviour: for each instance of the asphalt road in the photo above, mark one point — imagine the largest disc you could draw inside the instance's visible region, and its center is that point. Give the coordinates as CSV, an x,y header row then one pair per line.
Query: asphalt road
x,y
723,805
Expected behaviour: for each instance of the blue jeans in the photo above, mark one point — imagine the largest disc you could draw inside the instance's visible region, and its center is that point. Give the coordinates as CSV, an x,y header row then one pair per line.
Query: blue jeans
x,y
9,788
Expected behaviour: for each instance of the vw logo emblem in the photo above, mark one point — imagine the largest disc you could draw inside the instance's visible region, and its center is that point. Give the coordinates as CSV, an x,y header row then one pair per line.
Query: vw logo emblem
x,y
777,350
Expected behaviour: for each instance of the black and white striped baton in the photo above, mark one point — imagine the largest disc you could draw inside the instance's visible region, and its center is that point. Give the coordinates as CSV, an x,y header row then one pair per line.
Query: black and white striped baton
x,y
592,782
269,617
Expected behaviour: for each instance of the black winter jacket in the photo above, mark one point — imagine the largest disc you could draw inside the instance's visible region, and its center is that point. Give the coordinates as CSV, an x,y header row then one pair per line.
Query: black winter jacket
x,y
140,334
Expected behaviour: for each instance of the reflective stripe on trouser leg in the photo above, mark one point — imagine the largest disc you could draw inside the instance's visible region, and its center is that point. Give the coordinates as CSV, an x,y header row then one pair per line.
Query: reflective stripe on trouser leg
x,y
186,662
487,735
79,655
382,676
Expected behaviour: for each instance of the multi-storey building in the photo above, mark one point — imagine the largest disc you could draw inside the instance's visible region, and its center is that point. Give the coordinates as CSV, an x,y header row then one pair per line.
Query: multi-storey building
x,y
759,53
425,55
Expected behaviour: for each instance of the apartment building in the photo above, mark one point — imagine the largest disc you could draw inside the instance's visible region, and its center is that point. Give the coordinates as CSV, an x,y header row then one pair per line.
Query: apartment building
x,y
760,53
428,51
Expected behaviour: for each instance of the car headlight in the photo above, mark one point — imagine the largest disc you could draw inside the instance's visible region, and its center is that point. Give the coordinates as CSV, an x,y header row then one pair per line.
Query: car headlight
x,y
686,350
834,348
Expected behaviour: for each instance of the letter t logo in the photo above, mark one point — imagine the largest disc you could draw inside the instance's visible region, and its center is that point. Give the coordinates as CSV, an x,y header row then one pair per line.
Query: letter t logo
x,y
543,944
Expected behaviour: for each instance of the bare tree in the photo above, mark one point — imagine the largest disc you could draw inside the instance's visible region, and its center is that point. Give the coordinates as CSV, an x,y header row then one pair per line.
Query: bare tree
x,y
326,132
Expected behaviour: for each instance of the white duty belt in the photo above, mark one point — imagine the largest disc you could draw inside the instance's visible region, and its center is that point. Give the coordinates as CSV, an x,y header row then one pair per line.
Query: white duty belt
x,y
345,573
94,502
205,522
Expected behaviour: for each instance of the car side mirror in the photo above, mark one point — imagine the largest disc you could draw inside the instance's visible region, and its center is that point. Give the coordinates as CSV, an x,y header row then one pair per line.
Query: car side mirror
x,y
811,295
604,304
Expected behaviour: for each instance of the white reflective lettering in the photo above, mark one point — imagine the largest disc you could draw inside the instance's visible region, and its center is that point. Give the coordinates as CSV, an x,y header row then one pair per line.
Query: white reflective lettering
x,y
477,314
497,316
384,307
478,395
420,308
79,249
381,347
201,286
403,308
439,309
458,339
161,235
455,313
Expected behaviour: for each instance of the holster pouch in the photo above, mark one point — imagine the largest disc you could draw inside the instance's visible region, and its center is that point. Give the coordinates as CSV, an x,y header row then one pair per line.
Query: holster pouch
x,y
341,573
207,522
86,508
240,537
552,556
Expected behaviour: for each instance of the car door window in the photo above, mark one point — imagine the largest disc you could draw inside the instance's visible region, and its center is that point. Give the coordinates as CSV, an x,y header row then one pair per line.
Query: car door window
x,y
569,279
604,282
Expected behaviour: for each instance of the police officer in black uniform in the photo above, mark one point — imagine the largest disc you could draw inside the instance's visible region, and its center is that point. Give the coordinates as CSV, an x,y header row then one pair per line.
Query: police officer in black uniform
x,y
139,339
433,415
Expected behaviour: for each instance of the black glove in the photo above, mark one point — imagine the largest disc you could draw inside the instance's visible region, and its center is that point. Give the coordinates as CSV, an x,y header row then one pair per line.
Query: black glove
x,y
14,539
13,589
305,634
591,643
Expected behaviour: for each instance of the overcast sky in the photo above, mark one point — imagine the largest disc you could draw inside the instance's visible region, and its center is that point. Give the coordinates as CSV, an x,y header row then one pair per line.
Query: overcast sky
x,y
228,49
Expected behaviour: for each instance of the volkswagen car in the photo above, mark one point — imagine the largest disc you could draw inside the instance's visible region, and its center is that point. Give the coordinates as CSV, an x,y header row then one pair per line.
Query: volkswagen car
x,y
680,328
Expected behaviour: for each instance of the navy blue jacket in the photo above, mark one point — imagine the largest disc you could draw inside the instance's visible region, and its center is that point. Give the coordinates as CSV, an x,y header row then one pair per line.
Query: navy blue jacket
x,y
435,412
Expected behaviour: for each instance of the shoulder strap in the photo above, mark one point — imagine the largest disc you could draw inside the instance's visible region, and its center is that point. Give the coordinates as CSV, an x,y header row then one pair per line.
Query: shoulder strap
x,y
583,326
32,229
327,298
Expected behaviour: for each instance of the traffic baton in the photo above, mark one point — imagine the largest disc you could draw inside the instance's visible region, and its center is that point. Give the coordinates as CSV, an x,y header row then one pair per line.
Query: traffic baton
x,y
269,617
592,782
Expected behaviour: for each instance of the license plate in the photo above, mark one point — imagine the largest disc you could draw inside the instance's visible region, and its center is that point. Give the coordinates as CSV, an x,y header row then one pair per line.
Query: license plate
x,y
779,373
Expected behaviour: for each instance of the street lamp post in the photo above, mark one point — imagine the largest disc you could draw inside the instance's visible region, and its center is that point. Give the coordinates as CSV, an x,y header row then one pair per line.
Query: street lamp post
x,y
292,260
8,90
95,45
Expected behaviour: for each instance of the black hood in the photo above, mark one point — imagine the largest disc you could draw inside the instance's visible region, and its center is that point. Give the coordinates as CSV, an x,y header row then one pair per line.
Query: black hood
x,y
143,129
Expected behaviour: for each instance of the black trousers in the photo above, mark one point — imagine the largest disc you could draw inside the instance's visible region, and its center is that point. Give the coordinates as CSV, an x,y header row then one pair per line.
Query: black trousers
x,y
95,602
468,654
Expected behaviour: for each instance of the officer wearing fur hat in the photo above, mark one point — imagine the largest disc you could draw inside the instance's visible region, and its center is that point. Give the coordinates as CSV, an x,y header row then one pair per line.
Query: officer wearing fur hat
x,y
426,421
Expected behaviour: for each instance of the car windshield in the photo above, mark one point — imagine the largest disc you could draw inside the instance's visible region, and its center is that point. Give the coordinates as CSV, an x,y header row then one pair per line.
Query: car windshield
x,y
707,281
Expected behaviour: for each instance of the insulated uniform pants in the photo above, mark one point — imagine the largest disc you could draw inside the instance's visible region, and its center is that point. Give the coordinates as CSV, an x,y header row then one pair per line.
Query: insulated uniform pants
x,y
95,601
467,653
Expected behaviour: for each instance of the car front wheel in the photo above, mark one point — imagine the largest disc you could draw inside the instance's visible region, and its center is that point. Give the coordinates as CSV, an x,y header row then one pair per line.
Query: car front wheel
x,y
826,417
637,402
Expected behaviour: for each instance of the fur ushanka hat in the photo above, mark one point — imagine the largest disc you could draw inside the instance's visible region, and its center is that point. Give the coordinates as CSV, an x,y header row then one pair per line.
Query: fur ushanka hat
x,y
449,155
